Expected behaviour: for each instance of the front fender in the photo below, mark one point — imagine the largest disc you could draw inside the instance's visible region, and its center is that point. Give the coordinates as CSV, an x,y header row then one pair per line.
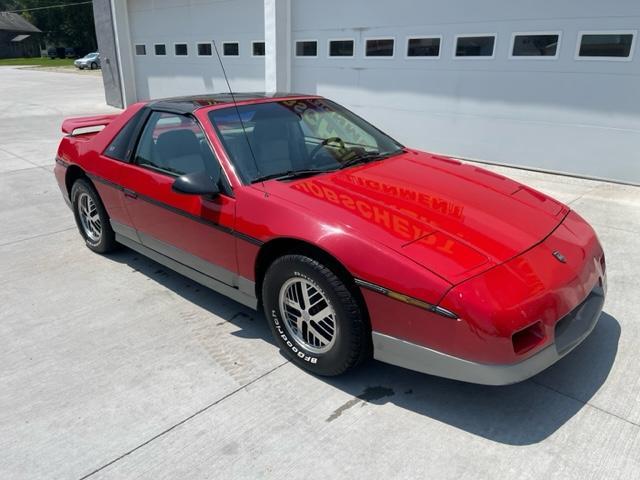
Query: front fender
x,y
267,217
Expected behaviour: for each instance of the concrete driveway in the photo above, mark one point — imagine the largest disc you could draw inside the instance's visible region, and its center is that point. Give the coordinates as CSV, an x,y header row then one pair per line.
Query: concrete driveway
x,y
115,367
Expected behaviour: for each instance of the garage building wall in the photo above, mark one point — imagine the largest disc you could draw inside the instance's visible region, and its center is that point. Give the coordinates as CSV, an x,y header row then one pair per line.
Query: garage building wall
x,y
567,115
560,114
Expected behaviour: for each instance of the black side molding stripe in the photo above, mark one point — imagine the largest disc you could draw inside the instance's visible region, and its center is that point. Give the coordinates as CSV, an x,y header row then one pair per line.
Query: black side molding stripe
x,y
405,298
104,181
182,213
247,238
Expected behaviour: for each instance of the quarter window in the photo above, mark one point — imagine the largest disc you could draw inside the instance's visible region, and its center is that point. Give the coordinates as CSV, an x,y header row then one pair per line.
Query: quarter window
x,y
230,49
341,48
605,45
120,147
174,144
257,49
535,45
204,49
306,48
141,49
475,46
380,47
423,47
160,49
181,49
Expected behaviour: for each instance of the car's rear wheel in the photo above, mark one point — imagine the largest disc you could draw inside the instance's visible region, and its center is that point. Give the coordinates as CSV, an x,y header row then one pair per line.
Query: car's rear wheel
x,y
316,319
94,65
91,217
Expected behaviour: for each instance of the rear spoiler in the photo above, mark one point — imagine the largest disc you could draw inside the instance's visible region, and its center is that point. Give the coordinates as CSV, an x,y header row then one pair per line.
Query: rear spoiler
x,y
70,125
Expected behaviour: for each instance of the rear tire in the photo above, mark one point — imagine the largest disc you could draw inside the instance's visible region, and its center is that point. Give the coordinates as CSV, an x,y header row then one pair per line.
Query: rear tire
x,y
94,65
91,217
316,320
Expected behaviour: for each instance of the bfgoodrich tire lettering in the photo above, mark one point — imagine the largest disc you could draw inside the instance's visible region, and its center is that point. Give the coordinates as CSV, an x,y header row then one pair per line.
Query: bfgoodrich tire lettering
x,y
97,234
345,338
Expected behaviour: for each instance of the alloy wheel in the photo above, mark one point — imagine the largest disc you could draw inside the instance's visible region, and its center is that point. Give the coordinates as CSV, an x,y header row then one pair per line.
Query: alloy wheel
x,y
89,217
308,315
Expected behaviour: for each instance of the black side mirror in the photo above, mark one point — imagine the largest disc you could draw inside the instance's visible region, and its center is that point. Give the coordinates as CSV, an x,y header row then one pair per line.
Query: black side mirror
x,y
197,183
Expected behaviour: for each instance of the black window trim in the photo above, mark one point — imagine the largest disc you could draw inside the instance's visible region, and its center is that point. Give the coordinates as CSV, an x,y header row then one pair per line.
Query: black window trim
x,y
422,57
581,33
533,34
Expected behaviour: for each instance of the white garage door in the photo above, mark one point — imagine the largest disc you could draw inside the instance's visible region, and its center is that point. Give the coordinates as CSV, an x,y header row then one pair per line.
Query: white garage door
x,y
558,111
172,49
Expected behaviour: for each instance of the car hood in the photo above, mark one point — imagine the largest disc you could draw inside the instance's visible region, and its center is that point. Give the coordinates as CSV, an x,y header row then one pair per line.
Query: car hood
x,y
454,219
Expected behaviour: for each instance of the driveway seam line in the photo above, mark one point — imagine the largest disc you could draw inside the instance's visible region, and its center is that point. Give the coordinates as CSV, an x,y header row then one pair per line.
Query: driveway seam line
x,y
26,169
586,403
22,158
13,242
183,421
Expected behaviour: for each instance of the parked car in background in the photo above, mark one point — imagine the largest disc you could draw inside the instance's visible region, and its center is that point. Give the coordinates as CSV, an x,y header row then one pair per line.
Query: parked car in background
x,y
354,245
91,61
70,52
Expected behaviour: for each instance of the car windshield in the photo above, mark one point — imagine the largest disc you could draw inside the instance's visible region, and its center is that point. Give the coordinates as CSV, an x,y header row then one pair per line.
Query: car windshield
x,y
302,136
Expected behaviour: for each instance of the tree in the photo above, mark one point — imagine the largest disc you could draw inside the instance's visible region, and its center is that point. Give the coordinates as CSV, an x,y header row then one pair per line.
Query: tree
x,y
70,26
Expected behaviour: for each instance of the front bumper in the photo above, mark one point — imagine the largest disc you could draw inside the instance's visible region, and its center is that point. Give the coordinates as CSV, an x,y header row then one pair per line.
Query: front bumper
x,y
570,331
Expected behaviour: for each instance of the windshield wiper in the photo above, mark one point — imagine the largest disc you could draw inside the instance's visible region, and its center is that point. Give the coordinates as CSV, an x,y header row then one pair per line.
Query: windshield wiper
x,y
290,175
369,157
308,172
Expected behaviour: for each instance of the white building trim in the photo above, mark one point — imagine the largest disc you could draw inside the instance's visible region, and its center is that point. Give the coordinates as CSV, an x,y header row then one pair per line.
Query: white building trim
x,y
277,49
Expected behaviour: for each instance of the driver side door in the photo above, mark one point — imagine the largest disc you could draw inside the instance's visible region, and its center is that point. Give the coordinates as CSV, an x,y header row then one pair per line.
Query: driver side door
x,y
193,230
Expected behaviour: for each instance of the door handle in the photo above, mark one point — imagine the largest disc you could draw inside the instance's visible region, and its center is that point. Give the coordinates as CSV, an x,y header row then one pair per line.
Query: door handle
x,y
129,193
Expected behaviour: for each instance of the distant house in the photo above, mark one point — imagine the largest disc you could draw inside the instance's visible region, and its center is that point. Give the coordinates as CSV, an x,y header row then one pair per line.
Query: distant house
x,y
18,38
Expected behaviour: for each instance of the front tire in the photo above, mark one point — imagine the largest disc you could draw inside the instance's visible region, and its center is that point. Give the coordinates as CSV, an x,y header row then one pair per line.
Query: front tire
x,y
91,217
315,318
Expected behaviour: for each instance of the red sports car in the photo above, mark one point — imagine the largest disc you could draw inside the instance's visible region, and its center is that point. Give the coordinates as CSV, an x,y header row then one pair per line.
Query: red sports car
x,y
354,245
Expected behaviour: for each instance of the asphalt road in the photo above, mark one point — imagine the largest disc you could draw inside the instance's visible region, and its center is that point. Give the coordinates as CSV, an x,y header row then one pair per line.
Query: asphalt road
x,y
115,367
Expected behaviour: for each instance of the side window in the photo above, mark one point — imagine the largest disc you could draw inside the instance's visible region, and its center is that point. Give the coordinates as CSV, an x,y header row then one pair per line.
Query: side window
x,y
121,146
175,145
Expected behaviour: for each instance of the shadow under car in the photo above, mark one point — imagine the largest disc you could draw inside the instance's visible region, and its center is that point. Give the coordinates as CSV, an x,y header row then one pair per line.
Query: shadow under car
x,y
519,414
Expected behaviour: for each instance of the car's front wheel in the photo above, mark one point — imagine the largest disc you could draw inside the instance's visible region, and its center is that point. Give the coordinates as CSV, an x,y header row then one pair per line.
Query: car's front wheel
x,y
316,319
91,217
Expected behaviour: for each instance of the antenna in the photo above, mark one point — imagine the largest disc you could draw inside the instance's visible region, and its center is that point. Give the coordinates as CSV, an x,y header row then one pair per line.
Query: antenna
x,y
233,98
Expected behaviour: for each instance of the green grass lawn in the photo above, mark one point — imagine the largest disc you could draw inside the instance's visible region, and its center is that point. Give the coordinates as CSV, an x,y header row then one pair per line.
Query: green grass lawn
x,y
44,62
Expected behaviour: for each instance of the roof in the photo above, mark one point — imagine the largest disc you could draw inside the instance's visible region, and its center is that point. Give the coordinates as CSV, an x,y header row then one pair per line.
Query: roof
x,y
13,22
189,104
